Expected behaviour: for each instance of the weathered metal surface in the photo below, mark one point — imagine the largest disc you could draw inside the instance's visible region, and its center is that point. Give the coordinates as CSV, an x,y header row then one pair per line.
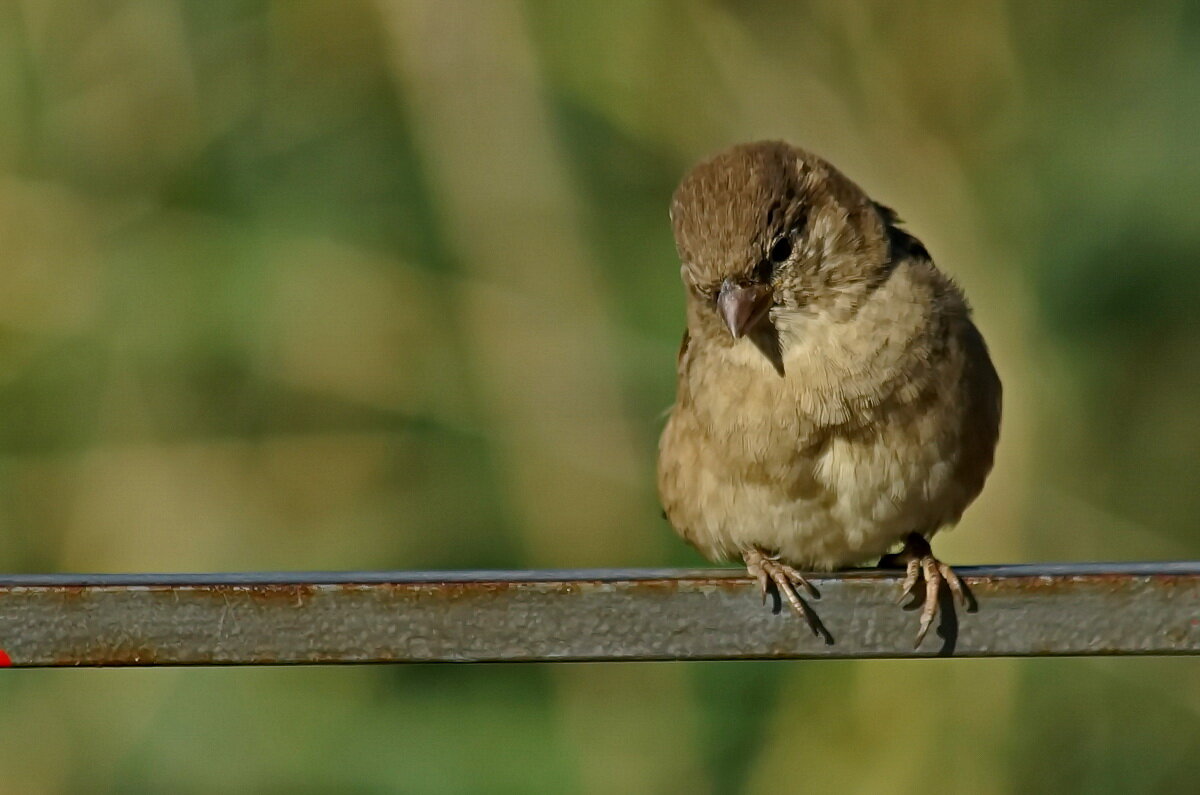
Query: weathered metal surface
x,y
201,619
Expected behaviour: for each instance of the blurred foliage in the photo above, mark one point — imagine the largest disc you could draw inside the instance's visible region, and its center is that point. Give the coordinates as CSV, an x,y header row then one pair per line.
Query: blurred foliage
x,y
316,285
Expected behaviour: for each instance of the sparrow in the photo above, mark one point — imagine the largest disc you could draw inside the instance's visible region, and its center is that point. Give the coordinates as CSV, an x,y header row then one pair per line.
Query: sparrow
x,y
834,398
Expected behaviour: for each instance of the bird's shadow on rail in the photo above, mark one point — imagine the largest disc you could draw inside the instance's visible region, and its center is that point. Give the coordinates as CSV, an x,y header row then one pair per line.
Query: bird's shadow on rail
x,y
810,615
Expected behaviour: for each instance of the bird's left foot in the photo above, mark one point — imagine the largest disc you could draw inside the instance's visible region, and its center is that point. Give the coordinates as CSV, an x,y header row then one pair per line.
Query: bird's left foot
x,y
769,569
918,561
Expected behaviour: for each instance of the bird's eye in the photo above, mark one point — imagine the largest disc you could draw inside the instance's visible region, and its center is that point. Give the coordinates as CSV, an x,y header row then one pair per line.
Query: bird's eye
x,y
781,249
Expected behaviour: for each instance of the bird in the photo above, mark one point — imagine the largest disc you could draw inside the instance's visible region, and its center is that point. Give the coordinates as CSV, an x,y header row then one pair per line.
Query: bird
x,y
834,398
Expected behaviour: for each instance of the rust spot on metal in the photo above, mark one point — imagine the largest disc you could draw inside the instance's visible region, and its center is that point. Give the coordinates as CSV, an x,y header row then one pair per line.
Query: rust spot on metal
x,y
458,591
1073,584
658,587
268,594
72,593
286,594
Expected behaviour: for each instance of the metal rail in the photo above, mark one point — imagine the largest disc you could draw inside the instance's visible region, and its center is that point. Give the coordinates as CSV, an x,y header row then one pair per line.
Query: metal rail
x,y
641,614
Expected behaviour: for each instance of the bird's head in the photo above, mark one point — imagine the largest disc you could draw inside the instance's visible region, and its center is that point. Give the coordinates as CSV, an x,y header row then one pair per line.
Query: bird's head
x,y
767,231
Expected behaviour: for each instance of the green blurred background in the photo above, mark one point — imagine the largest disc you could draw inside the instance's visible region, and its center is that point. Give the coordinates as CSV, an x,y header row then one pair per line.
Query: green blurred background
x,y
370,285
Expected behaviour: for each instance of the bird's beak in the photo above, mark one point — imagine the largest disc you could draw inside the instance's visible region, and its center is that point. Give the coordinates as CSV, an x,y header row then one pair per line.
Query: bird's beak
x,y
743,305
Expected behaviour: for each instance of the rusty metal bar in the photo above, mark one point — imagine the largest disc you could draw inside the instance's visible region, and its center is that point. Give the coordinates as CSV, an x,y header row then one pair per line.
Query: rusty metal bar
x,y
641,614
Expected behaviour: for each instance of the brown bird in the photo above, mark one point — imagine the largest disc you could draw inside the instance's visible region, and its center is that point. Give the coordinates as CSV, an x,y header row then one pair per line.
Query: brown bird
x,y
834,398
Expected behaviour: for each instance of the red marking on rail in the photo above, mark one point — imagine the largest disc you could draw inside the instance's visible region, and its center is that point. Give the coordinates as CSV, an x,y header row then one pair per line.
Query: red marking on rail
x,y
5,660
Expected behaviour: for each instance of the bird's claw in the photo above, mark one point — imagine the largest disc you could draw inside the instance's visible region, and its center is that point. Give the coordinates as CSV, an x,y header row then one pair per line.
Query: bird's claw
x,y
919,563
769,569
763,580
911,575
